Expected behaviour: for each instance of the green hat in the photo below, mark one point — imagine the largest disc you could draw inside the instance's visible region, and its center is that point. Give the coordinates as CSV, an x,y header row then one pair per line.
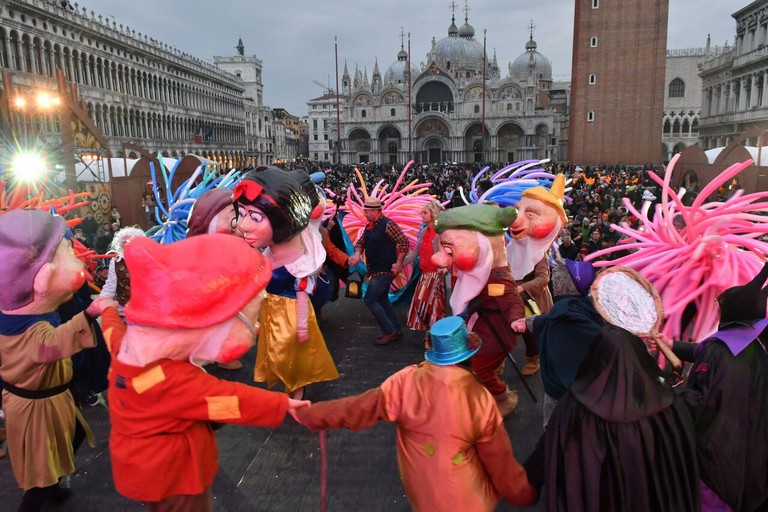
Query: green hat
x,y
485,218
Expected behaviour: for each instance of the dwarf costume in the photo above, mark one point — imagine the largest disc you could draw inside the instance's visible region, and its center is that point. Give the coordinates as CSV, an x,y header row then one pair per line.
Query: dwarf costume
x,y
452,449
490,290
35,352
726,395
528,258
186,296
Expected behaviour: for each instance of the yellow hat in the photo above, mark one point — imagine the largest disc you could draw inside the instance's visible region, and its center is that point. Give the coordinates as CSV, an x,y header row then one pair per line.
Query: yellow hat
x,y
553,196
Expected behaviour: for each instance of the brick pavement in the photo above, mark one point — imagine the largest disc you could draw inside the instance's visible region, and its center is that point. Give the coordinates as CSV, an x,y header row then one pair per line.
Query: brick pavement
x,y
279,470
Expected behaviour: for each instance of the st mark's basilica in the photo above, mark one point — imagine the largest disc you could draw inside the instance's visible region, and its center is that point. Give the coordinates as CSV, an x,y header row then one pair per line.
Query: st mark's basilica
x,y
525,111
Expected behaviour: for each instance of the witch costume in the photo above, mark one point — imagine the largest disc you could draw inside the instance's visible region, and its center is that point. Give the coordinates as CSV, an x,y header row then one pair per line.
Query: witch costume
x,y
620,439
726,395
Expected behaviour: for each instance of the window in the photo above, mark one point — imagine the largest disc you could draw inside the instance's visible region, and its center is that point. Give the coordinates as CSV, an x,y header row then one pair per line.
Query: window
x,y
392,112
590,116
325,136
325,125
592,79
325,156
314,125
315,136
477,109
595,4
593,42
315,156
676,88
362,113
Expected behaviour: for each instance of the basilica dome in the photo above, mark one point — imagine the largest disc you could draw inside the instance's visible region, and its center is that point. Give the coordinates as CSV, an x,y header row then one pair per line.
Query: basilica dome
x,y
459,50
519,68
397,71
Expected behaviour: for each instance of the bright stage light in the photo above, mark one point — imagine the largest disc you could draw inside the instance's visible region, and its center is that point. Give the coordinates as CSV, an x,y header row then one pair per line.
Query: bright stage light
x,y
28,166
19,102
46,100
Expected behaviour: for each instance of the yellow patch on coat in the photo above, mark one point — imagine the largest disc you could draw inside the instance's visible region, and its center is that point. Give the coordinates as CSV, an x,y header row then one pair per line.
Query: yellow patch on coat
x,y
149,378
495,290
223,407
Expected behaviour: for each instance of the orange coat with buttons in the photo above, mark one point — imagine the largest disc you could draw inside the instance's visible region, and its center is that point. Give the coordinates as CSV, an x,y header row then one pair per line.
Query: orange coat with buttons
x,y
452,449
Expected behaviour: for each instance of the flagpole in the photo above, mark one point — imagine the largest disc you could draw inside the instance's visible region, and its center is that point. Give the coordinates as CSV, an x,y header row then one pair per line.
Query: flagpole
x,y
338,112
408,72
484,66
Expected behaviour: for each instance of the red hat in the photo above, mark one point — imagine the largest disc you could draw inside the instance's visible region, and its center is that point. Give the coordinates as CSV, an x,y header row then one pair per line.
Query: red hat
x,y
198,282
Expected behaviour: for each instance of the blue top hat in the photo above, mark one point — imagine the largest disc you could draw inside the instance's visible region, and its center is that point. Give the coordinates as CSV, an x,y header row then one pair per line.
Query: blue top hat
x,y
448,337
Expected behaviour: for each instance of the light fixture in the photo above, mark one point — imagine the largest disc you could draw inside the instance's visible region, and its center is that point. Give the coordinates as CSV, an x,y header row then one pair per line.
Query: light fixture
x,y
28,166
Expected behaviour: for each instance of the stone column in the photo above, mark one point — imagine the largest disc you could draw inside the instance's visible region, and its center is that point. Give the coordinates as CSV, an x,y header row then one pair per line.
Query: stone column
x,y
742,85
764,99
753,100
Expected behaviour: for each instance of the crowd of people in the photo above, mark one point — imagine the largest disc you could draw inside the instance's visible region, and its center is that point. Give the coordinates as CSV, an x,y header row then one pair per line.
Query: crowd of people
x,y
616,436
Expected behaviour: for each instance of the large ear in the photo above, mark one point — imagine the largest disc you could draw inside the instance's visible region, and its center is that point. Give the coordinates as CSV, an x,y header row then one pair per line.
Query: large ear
x,y
43,278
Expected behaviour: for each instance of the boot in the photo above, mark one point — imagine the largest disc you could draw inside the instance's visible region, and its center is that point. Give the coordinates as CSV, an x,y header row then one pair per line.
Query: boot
x,y
531,367
506,402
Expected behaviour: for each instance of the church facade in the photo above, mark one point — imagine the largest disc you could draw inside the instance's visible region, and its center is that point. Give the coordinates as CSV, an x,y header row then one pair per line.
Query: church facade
x,y
451,94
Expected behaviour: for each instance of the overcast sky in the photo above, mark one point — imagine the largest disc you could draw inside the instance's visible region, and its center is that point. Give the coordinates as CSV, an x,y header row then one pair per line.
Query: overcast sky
x,y
294,38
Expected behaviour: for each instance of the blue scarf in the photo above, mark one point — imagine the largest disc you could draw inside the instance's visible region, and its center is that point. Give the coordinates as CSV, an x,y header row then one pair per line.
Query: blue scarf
x,y
12,325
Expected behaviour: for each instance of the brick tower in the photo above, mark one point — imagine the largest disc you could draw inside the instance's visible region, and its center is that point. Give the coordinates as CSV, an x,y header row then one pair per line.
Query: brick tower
x,y
617,81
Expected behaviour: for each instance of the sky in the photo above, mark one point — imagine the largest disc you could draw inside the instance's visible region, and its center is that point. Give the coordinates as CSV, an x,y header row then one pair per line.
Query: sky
x,y
295,38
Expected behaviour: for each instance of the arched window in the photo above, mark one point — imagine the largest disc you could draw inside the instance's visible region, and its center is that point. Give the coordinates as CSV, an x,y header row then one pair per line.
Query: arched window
x,y
392,112
676,88
363,113
593,42
590,116
592,79
477,109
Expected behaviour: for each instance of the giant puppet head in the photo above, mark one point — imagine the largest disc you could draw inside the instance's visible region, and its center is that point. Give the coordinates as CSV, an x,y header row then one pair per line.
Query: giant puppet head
x,y
213,212
272,207
539,221
471,244
195,300
39,268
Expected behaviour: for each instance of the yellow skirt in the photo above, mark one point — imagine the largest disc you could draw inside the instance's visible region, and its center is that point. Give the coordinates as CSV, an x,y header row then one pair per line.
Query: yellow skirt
x,y
281,357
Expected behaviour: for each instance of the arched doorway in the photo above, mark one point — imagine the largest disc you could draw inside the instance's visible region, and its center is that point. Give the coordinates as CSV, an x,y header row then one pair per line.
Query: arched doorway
x,y
360,144
434,97
433,148
475,140
511,137
432,136
389,143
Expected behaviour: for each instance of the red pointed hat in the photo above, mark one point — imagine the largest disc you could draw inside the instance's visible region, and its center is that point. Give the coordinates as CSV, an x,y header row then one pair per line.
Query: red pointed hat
x,y
197,282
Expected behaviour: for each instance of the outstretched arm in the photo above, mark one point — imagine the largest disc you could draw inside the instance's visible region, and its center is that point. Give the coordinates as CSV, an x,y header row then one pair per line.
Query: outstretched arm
x,y
353,413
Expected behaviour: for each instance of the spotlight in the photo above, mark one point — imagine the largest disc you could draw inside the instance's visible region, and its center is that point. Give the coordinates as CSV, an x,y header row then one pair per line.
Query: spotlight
x,y
28,166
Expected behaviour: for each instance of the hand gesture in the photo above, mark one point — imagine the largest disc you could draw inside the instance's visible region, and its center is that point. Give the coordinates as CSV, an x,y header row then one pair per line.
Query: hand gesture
x,y
98,306
396,268
353,260
294,405
519,325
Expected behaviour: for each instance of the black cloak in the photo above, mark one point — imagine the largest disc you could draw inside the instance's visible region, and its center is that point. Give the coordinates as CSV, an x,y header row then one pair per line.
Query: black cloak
x,y
619,438
726,396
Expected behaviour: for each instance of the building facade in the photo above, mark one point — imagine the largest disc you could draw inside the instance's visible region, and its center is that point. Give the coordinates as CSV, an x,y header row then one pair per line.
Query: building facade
x,y
735,81
448,97
682,101
135,88
617,81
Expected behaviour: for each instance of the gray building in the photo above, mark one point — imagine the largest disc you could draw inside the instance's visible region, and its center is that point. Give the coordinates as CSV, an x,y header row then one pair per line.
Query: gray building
x,y
134,87
735,81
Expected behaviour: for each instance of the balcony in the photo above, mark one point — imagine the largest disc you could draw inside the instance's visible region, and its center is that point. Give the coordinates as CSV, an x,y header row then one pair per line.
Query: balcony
x,y
748,58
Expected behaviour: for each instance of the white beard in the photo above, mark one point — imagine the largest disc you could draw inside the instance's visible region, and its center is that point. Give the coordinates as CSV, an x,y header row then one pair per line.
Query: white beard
x,y
470,284
524,254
